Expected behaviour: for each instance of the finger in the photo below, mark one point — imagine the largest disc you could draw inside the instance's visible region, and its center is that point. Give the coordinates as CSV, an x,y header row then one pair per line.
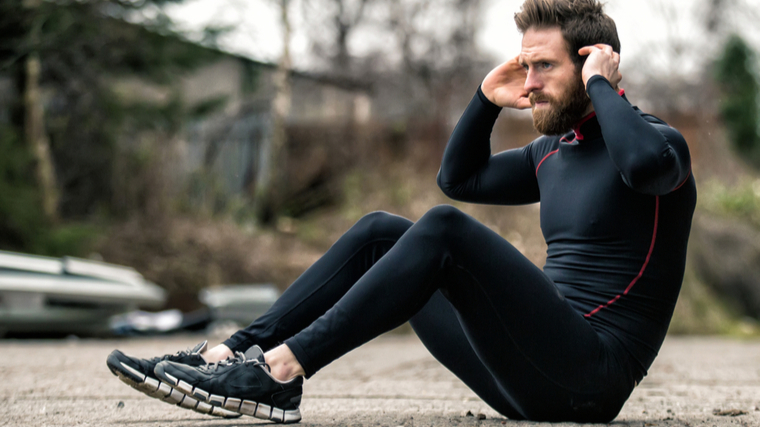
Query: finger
x,y
615,60
587,50
513,64
523,103
602,46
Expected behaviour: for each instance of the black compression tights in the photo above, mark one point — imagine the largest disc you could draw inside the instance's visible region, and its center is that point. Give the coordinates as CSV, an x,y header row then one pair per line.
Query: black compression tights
x,y
482,309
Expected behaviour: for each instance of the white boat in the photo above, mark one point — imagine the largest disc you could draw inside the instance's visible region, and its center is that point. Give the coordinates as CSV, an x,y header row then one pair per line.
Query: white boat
x,y
68,295
241,304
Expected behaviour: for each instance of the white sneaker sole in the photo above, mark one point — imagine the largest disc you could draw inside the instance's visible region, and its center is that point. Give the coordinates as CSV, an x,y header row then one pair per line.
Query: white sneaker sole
x,y
162,391
245,407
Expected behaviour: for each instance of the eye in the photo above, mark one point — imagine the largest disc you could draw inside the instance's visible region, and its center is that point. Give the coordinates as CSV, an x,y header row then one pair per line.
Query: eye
x,y
545,65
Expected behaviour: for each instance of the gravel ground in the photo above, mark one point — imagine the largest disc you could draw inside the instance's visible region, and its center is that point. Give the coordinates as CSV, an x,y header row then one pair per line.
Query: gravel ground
x,y
391,381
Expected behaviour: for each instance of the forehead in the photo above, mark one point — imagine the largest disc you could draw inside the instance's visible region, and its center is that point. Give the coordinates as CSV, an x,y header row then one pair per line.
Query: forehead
x,y
539,44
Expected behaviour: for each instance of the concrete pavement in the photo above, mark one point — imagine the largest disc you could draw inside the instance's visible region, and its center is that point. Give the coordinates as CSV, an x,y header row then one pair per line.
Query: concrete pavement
x,y
391,381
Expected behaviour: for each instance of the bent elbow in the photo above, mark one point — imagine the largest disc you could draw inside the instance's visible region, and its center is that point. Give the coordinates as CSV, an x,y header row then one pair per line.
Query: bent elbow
x,y
445,186
452,190
657,175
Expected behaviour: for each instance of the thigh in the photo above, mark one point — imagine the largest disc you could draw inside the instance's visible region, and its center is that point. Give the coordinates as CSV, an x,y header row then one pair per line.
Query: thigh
x,y
545,356
439,329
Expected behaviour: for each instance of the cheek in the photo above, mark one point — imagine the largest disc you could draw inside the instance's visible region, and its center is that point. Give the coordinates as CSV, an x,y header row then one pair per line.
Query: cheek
x,y
565,86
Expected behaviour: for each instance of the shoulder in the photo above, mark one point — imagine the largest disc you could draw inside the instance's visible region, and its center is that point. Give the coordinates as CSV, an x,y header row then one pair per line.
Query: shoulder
x,y
650,118
669,132
543,146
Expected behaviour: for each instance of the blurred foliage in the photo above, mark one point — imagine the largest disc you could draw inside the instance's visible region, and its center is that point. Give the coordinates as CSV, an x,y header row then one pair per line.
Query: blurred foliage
x,y
737,76
85,46
740,201
701,310
23,227
20,213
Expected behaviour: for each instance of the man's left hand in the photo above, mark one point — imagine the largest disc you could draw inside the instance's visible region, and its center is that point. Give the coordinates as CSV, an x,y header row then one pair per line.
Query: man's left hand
x,y
602,60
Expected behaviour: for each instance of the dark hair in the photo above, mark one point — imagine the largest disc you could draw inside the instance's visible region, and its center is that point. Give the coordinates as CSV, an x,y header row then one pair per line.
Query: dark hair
x,y
582,22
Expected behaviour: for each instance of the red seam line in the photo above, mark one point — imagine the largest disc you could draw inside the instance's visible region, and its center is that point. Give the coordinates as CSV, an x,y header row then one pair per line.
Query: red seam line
x,y
684,181
643,267
577,128
542,160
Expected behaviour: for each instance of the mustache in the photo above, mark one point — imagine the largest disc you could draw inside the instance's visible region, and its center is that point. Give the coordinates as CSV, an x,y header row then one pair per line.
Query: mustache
x,y
534,97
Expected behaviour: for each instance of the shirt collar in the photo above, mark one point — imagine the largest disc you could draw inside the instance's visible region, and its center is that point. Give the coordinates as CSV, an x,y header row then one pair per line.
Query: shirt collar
x,y
588,126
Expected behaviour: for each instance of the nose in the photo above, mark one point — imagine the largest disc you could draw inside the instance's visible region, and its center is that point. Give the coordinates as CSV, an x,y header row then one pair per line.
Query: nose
x,y
533,82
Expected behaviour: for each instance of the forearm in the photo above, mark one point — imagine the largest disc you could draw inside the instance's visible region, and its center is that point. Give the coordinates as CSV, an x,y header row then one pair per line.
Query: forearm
x,y
651,160
469,146
470,173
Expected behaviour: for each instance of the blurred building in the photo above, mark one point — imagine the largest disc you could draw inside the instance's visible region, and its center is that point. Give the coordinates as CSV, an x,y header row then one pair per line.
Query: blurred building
x,y
223,144
226,147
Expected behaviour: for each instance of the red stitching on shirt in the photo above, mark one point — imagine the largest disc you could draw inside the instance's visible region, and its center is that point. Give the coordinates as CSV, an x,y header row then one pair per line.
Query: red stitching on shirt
x,y
643,267
684,181
577,127
542,160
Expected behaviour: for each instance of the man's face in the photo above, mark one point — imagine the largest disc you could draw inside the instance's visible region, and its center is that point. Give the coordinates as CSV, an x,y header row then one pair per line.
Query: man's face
x,y
554,83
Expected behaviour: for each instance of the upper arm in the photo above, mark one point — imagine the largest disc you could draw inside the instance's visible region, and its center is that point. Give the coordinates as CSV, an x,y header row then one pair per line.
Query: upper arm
x,y
508,177
652,157
660,171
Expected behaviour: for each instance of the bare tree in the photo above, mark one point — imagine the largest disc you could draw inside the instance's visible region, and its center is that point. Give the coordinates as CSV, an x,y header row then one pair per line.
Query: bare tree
x,y
439,53
34,118
674,74
331,24
271,183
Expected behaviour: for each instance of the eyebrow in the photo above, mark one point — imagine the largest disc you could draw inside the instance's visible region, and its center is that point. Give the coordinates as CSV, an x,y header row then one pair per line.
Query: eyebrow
x,y
538,60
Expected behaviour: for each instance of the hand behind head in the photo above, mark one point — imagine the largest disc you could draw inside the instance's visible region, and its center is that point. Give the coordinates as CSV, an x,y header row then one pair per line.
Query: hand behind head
x,y
505,85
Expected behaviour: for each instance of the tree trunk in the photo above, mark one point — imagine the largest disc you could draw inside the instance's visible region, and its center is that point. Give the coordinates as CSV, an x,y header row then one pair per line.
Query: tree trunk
x,y
36,139
270,189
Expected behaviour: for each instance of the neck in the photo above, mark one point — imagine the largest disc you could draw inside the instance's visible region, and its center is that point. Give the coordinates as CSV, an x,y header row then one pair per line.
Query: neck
x,y
588,115
590,108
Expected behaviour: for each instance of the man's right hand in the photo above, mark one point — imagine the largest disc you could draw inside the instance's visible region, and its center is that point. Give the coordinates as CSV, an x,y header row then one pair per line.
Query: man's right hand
x,y
505,85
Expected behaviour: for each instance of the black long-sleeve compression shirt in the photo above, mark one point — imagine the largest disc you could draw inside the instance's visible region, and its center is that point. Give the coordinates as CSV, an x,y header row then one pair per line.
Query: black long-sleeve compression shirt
x,y
617,199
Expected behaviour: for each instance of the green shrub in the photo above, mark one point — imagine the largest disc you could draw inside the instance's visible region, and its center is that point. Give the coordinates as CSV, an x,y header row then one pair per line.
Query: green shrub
x,y
23,226
741,201
737,77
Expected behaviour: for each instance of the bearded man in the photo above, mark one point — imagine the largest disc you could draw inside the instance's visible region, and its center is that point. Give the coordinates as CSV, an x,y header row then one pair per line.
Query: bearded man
x,y
568,343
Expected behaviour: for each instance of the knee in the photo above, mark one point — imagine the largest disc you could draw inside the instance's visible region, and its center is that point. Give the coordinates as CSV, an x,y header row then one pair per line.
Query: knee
x,y
382,225
442,218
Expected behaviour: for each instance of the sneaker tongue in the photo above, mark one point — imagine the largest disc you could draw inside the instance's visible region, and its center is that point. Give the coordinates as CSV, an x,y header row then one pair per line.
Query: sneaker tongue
x,y
200,347
254,353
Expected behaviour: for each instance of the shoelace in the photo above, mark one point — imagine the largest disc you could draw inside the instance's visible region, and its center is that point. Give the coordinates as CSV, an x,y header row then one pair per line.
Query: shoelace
x,y
167,356
238,358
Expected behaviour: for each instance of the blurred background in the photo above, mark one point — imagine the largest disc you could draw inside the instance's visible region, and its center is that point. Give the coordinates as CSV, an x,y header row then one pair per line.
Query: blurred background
x,y
205,143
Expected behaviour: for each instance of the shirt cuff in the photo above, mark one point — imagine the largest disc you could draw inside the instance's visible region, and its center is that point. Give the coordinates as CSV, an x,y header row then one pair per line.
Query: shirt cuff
x,y
595,78
487,102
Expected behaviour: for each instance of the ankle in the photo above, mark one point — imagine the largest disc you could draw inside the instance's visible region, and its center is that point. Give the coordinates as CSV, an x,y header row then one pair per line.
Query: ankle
x,y
283,372
283,364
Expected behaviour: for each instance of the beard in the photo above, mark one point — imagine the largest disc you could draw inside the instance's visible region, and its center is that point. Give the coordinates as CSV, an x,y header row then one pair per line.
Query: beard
x,y
563,112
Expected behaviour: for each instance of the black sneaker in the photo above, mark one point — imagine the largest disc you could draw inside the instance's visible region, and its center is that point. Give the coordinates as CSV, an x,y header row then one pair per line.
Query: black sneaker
x,y
242,385
138,374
